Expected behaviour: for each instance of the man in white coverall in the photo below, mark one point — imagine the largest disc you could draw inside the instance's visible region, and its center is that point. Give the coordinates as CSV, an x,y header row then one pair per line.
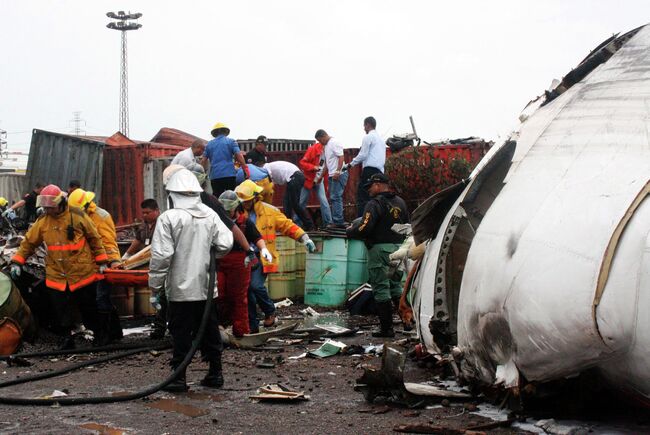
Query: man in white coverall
x,y
180,262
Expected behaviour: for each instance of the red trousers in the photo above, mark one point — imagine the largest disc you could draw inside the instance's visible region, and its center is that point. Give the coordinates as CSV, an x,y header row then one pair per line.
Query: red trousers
x,y
232,280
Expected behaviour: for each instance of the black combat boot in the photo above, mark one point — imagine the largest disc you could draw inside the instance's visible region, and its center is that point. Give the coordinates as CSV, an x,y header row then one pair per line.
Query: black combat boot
x,y
67,343
102,333
178,385
385,314
214,378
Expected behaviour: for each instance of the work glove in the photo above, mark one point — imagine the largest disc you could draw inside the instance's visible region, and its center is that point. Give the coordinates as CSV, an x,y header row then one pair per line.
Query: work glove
x,y
154,300
247,173
6,213
102,268
267,255
126,256
40,211
15,271
345,167
251,259
309,244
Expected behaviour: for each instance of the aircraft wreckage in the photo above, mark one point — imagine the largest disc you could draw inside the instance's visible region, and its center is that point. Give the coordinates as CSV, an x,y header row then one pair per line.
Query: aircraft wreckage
x,y
538,266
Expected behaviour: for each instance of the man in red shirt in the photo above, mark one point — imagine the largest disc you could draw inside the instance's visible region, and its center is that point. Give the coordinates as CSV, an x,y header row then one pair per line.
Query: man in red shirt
x,y
312,165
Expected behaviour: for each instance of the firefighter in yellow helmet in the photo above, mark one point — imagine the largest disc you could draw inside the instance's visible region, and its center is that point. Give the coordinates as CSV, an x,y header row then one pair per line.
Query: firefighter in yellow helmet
x,y
74,249
108,319
268,220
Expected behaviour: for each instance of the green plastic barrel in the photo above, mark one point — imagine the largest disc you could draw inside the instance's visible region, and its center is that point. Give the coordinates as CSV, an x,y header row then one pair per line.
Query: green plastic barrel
x,y
357,273
326,272
301,256
299,287
281,285
286,248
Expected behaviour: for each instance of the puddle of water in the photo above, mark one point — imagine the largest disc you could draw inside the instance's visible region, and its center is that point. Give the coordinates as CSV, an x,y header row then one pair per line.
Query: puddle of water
x,y
171,405
102,429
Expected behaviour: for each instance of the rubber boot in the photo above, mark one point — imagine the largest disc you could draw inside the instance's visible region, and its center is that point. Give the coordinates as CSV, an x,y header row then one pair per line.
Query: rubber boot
x,y
115,328
385,314
67,343
178,385
214,378
102,334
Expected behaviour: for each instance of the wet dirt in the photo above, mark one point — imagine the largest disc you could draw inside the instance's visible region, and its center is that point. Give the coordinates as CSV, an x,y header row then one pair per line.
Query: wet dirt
x,y
333,408
102,429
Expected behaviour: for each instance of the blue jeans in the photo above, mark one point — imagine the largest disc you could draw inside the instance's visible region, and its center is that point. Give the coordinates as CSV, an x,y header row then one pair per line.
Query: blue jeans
x,y
258,295
325,211
336,197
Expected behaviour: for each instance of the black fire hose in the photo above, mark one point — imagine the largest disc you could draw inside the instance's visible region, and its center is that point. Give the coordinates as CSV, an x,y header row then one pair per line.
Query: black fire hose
x,y
69,401
82,350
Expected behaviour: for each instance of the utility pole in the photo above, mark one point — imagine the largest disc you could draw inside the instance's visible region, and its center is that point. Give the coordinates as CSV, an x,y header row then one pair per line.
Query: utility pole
x,y
123,25
3,143
76,122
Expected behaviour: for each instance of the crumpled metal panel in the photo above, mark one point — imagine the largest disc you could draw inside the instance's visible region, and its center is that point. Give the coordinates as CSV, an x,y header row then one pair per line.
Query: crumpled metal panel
x,y
56,158
13,186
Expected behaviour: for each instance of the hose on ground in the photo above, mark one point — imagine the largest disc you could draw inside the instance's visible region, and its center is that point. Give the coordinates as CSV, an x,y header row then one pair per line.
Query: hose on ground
x,y
71,401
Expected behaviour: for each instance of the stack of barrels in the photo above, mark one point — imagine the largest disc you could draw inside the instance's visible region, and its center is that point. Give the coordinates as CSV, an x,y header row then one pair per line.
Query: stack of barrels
x,y
289,281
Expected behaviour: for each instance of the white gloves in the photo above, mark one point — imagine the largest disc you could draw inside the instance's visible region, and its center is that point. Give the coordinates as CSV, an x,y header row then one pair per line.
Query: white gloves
x,y
345,167
102,268
309,244
15,271
266,255
6,213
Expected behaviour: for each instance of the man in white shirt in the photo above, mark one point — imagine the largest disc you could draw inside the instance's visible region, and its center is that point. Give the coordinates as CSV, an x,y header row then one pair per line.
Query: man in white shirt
x,y
372,156
287,173
188,156
333,151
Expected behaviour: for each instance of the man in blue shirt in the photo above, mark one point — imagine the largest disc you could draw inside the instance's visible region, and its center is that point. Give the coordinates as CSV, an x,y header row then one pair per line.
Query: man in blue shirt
x,y
372,156
219,154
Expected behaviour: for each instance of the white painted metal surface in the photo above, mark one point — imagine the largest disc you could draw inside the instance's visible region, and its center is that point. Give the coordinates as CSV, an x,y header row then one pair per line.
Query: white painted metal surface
x,y
532,272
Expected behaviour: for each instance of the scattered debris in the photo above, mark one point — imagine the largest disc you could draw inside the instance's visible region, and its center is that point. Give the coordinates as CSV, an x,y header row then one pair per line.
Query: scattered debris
x,y
329,348
433,391
302,355
284,303
550,426
334,329
54,395
309,312
249,341
427,428
278,392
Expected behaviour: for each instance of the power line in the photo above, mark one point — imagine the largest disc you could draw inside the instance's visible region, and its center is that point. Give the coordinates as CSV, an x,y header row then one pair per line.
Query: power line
x,y
77,121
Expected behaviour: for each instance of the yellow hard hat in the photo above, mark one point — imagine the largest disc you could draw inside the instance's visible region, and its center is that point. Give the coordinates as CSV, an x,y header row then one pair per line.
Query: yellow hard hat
x,y
248,190
219,126
3,201
80,198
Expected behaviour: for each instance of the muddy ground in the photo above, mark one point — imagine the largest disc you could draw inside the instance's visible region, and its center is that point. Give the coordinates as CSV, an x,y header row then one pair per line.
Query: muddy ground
x,y
333,406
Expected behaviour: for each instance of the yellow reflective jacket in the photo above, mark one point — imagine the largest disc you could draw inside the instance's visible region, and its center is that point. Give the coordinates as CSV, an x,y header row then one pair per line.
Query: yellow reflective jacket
x,y
69,263
268,221
106,229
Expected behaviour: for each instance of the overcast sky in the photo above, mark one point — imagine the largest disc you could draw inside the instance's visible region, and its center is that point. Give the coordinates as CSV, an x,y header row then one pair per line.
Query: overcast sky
x,y
287,68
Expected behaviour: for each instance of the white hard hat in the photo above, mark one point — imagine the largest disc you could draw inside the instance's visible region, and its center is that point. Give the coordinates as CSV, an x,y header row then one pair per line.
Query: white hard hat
x,y
169,171
183,181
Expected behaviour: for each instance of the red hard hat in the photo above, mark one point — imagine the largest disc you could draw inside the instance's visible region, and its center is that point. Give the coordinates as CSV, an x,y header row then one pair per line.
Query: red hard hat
x,y
50,196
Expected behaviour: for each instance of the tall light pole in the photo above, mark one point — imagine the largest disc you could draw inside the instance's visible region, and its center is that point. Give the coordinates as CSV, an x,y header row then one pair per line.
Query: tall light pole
x,y
123,25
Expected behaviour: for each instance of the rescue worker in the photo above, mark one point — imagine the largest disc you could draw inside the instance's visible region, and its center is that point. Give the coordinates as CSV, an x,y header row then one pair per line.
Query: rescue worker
x,y
73,249
286,173
234,272
29,202
73,185
372,157
268,221
180,266
257,156
383,210
219,154
143,237
261,177
313,165
190,155
107,317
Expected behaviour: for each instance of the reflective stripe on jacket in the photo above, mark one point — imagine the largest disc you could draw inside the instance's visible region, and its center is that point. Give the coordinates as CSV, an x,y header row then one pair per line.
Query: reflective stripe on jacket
x,y
270,220
69,263
106,229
